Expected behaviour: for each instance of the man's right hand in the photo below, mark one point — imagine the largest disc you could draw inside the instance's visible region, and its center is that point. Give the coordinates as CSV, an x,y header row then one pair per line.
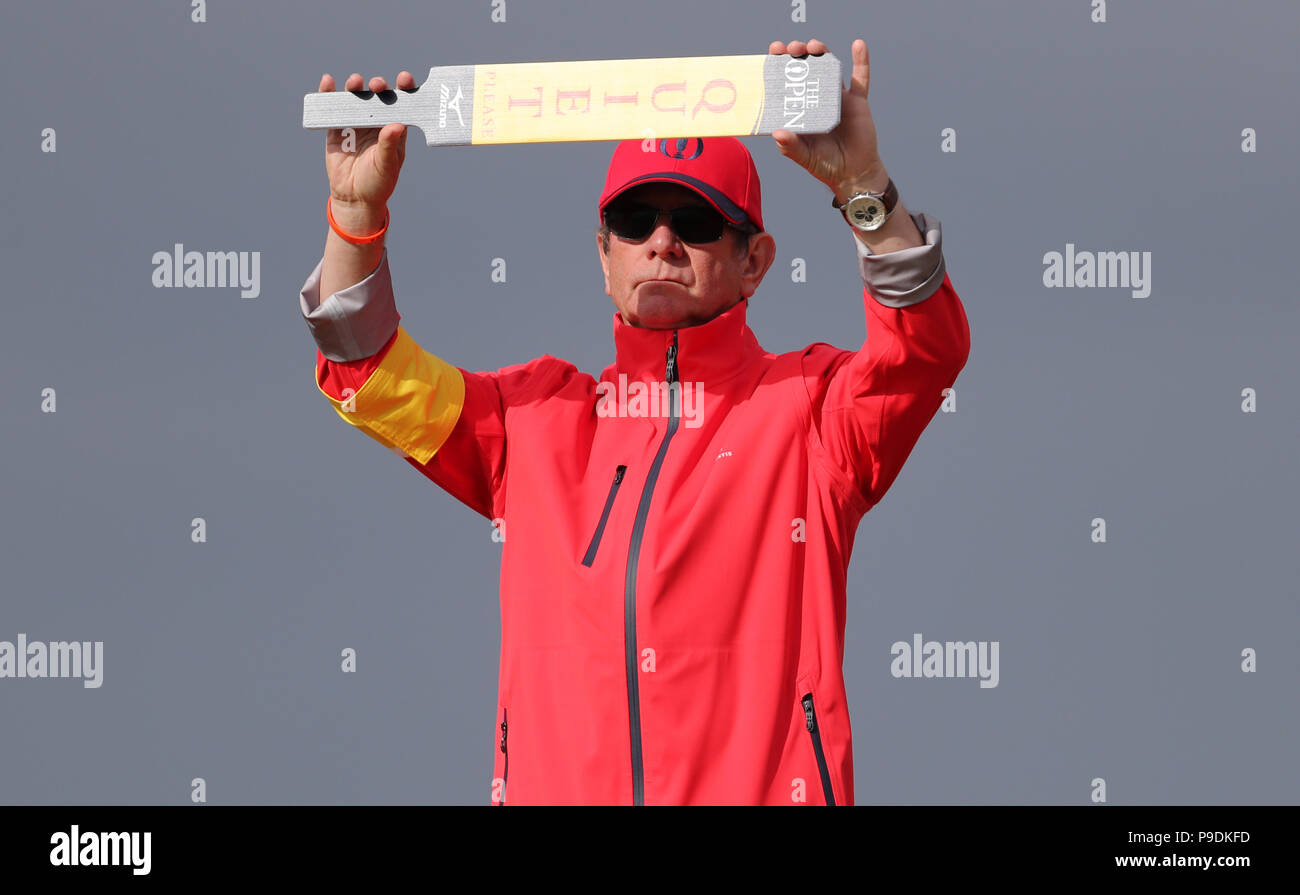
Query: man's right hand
x,y
362,180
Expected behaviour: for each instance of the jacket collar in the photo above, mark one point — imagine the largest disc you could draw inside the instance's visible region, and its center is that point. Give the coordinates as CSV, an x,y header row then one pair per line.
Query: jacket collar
x,y
709,352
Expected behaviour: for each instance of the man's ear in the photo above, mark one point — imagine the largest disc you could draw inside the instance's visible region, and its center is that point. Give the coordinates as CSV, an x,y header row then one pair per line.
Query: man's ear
x,y
762,252
604,262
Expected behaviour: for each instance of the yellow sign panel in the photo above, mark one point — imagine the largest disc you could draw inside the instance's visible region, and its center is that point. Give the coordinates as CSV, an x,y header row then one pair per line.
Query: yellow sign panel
x,y
679,97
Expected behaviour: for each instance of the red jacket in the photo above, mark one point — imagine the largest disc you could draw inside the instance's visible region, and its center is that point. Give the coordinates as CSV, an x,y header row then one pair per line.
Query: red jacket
x,y
673,585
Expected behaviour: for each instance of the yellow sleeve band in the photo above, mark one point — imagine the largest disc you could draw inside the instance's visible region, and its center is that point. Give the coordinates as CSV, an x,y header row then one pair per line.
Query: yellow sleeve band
x,y
411,401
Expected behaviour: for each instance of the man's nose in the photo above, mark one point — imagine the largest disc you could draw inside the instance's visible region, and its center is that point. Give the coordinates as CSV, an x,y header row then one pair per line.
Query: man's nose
x,y
662,239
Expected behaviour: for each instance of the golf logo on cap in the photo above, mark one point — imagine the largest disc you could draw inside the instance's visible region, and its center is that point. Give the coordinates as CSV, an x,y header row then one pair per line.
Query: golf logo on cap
x,y
680,145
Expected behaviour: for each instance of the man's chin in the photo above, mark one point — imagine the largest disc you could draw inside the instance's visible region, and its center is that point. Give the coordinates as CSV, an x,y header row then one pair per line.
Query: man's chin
x,y
657,311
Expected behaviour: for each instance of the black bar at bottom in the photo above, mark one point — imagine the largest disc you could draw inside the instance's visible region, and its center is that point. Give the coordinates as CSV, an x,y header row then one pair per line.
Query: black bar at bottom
x,y
335,843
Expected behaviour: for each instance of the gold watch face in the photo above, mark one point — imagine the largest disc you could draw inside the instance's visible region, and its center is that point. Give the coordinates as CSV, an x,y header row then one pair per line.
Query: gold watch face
x,y
865,213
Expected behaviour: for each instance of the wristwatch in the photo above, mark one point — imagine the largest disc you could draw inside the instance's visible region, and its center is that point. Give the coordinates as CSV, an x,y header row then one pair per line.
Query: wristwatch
x,y
869,211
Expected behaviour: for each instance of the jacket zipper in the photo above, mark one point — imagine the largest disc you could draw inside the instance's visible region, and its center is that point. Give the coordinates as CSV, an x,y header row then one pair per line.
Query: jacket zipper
x,y
629,585
505,772
810,719
604,517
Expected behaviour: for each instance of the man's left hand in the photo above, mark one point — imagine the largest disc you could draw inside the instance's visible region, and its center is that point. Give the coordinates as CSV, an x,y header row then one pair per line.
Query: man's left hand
x,y
845,159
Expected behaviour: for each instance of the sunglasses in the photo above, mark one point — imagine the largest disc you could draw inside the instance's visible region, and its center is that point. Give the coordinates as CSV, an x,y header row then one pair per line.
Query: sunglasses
x,y
691,223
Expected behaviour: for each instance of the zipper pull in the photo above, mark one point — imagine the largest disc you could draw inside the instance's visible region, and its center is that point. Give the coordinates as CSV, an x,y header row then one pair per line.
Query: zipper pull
x,y
671,375
808,714
618,475
503,731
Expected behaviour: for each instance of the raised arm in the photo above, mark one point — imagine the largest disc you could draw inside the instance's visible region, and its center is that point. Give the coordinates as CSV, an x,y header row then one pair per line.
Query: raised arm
x,y
363,168
868,407
446,421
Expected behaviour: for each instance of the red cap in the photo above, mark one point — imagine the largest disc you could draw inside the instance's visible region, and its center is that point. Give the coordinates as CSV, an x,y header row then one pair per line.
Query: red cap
x,y
718,168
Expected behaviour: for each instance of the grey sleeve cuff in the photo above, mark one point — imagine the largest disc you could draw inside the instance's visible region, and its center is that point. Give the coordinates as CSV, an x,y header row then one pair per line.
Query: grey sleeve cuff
x,y
354,322
907,276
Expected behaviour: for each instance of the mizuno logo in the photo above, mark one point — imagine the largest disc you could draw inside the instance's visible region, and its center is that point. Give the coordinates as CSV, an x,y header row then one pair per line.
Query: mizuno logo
x,y
446,101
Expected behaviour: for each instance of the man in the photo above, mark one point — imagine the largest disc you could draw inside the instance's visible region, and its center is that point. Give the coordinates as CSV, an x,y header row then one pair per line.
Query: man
x,y
677,533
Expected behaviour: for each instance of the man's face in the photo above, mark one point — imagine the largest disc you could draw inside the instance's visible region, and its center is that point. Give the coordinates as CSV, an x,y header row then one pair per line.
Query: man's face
x,y
661,282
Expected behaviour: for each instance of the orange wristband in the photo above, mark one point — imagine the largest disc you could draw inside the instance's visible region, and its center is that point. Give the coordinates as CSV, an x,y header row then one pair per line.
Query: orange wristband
x,y
355,240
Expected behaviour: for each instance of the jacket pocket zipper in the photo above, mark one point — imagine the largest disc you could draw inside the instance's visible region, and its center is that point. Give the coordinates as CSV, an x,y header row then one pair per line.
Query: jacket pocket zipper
x,y
604,517
505,772
810,720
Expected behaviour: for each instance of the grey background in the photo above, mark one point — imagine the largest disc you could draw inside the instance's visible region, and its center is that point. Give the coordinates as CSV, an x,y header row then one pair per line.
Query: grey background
x,y
221,660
